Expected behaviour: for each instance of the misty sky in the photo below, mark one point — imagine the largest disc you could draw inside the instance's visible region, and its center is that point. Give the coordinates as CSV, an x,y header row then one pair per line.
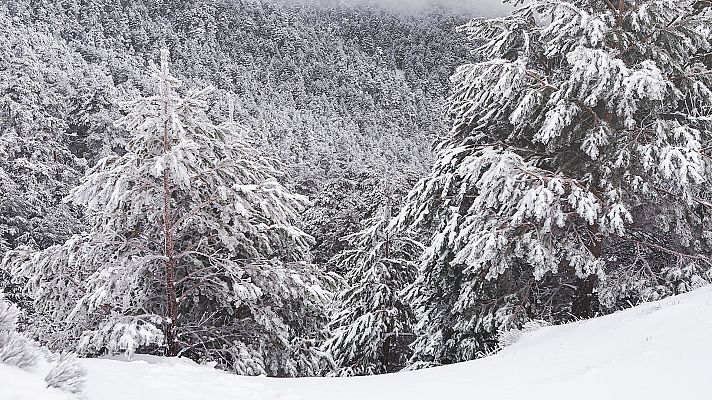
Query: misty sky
x,y
488,8
485,8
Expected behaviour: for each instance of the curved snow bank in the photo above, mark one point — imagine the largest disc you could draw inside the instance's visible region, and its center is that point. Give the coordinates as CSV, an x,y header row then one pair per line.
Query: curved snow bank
x,y
20,384
657,350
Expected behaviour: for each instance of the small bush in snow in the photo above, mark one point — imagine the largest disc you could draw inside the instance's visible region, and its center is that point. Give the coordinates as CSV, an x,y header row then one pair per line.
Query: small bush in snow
x,y
67,374
8,316
509,337
418,365
17,350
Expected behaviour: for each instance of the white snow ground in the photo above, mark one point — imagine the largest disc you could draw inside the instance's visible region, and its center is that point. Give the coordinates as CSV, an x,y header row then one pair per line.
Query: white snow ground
x,y
18,384
659,350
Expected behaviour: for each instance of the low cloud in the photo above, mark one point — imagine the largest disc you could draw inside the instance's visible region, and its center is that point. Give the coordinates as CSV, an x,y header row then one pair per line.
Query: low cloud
x,y
484,8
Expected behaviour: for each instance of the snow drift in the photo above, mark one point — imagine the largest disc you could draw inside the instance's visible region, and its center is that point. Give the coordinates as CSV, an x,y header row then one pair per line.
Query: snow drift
x,y
656,350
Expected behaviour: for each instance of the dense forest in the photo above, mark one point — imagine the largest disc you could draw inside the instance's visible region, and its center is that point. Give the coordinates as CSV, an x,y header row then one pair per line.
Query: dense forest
x,y
338,105
309,189
346,99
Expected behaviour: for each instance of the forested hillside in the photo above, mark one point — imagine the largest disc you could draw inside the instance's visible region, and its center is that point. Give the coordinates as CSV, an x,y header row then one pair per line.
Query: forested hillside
x,y
306,188
348,99
343,103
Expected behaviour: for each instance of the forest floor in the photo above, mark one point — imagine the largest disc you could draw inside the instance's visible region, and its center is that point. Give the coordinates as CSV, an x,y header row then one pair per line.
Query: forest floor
x,y
659,350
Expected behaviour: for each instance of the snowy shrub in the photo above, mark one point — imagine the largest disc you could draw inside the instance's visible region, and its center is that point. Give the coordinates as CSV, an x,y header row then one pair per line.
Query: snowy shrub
x,y
418,365
8,315
17,350
67,374
509,337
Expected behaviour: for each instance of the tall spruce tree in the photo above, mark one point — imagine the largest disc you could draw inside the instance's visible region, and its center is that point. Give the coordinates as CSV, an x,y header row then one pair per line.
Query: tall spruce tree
x,y
193,248
371,311
574,179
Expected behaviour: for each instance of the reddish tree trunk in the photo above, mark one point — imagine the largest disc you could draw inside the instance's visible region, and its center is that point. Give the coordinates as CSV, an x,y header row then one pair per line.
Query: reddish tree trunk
x,y
171,300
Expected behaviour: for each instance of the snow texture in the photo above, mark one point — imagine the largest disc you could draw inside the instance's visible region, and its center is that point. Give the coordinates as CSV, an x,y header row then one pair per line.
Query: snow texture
x,y
653,351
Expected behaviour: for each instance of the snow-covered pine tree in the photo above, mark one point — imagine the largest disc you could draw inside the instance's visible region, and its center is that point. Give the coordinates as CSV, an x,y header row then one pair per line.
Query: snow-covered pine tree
x,y
371,311
574,178
193,248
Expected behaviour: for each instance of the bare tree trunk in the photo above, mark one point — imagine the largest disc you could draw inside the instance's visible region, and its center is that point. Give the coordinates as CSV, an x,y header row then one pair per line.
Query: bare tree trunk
x,y
171,300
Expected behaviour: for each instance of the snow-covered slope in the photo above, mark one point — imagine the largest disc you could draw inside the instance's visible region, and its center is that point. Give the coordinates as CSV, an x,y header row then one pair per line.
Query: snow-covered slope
x,y
658,350
18,384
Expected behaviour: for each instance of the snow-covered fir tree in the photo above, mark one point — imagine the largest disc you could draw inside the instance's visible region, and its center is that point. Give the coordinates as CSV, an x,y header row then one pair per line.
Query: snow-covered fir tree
x,y
574,179
372,312
193,248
